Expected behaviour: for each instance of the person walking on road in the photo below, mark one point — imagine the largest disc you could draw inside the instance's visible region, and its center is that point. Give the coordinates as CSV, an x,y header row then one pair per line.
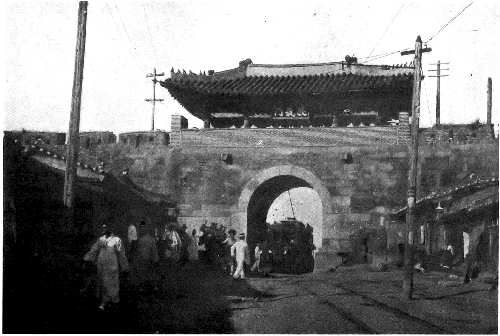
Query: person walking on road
x,y
239,251
228,243
110,259
132,240
143,266
173,242
471,267
193,246
186,241
257,254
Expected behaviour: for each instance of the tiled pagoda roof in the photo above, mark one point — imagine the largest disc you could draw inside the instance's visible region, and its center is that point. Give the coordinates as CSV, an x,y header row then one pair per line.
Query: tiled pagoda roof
x,y
272,85
258,79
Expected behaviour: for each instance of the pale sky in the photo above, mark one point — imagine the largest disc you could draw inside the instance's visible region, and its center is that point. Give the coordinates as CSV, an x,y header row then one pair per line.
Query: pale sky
x,y
126,39
307,208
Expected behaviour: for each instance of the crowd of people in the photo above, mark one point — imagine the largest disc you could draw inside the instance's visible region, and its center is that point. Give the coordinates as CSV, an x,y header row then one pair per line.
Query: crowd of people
x,y
139,257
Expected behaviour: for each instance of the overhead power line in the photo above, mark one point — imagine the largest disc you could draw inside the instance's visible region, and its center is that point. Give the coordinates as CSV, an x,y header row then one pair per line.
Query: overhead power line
x,y
373,58
450,21
370,58
150,35
386,29
378,55
115,21
125,30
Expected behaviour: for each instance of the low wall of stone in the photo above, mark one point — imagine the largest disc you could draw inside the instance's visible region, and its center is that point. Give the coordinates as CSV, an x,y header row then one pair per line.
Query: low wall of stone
x,y
291,137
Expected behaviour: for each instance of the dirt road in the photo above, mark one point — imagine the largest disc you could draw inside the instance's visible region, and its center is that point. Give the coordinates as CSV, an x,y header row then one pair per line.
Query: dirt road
x,y
360,302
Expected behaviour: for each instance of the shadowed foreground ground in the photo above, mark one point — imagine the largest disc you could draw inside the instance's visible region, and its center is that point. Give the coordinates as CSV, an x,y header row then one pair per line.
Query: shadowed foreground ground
x,y
195,299
43,269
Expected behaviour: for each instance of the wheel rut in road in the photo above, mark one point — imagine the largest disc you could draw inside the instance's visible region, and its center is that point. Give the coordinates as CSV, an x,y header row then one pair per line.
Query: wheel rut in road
x,y
363,327
368,314
397,311
289,308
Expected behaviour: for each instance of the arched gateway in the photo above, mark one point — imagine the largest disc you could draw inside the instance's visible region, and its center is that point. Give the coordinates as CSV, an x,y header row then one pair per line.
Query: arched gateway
x,y
259,193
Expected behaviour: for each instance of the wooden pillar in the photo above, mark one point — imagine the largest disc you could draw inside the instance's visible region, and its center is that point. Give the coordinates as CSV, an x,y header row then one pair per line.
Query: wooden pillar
x,y
74,120
488,103
438,94
412,175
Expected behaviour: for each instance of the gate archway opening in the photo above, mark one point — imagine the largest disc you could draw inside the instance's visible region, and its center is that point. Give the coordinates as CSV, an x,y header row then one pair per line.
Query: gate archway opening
x,y
260,194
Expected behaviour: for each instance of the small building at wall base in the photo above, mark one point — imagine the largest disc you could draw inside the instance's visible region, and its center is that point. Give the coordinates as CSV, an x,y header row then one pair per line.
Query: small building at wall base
x,y
464,217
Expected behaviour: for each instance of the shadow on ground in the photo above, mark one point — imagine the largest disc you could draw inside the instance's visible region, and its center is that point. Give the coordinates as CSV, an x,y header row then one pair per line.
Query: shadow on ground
x,y
44,273
195,299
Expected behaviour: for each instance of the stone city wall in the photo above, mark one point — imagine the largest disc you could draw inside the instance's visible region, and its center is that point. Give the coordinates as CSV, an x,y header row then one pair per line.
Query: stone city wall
x,y
30,137
135,139
93,139
358,185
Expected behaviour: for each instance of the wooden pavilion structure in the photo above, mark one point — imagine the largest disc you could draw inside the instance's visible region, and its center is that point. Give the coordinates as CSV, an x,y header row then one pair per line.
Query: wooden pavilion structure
x,y
295,95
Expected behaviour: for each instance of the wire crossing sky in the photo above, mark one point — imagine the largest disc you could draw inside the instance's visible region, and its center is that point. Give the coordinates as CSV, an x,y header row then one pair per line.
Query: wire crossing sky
x,y
126,39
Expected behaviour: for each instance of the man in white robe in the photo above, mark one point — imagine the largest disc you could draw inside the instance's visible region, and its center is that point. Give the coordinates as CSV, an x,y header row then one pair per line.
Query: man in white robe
x,y
110,259
239,251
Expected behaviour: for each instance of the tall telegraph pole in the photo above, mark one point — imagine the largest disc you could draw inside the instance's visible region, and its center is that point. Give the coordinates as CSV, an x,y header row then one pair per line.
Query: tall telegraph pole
x,y
154,100
488,102
74,120
412,174
438,89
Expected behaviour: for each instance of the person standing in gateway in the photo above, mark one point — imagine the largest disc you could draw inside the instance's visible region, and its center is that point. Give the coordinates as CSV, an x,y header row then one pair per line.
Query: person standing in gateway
x,y
132,240
239,251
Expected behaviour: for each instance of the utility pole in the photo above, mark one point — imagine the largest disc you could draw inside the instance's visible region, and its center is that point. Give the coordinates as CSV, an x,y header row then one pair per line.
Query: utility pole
x,y
291,204
154,100
412,174
488,102
74,119
438,89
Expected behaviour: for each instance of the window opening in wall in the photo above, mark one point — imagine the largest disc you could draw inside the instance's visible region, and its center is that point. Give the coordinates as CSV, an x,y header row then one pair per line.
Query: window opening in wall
x,y
348,158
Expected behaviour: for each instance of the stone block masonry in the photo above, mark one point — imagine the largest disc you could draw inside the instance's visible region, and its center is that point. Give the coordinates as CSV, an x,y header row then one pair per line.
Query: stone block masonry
x,y
359,194
135,139
359,174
